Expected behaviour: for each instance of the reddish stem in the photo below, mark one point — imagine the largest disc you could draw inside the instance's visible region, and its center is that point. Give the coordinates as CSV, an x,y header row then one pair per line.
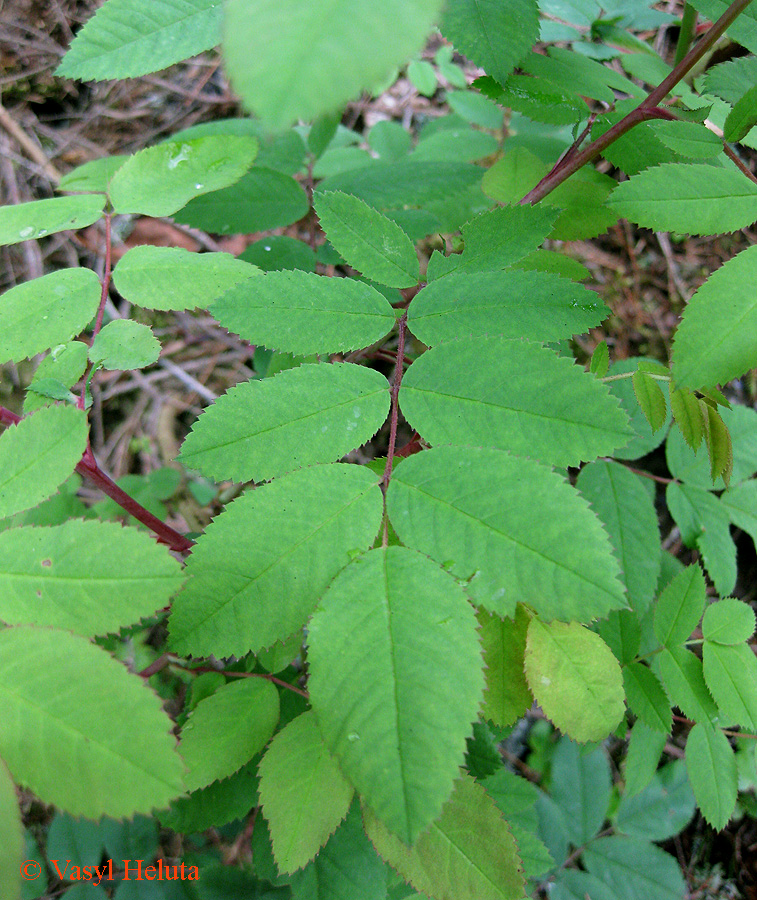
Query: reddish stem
x,y
394,416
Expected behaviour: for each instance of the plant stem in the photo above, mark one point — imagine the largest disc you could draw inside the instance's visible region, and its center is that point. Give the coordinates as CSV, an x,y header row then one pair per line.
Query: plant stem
x,y
646,110
89,468
82,404
402,326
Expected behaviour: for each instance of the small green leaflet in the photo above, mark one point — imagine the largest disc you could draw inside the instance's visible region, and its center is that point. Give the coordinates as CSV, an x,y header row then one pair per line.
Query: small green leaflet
x,y
11,837
663,808
262,199
111,730
347,867
368,241
716,343
507,696
300,312
217,804
413,637
681,674
251,585
314,413
38,454
742,118
303,792
600,360
28,221
651,399
94,175
63,576
689,199
719,444
741,504
172,278
645,748
732,79
159,180
731,676
728,621
226,729
52,309
125,39
513,395
581,787
512,303
445,863
680,607
627,511
57,372
494,36
646,697
644,439
687,413
712,772
583,76
422,76
124,344
274,253
621,631
331,54
575,679
688,138
507,526
635,869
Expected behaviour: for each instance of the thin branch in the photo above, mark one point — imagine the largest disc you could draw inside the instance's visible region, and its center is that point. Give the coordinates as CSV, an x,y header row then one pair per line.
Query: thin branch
x,y
394,416
733,156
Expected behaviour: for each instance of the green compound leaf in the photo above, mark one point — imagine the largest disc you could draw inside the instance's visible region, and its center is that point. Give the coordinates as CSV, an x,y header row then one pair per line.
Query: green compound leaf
x,y
124,344
687,413
260,200
300,312
330,54
28,221
303,792
79,730
536,305
651,399
575,679
634,869
728,621
742,118
507,696
711,765
507,526
39,314
11,837
399,730
513,395
172,278
368,241
347,867
731,676
250,584
311,414
646,697
445,863
226,729
627,511
63,576
680,607
495,36
159,180
713,343
681,674
125,38
38,454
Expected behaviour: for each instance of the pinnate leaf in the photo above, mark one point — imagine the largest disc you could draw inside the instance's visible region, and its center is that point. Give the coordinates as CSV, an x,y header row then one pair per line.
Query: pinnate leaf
x,y
680,607
506,526
172,278
331,53
310,414
251,585
226,729
689,199
368,241
39,314
124,344
575,679
159,180
38,454
728,621
445,863
125,38
303,792
300,312
513,395
28,221
63,576
512,303
712,772
399,730
731,676
507,695
104,748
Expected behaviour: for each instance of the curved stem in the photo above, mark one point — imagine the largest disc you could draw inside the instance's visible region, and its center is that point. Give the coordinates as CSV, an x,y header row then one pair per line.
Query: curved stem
x,y
394,416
